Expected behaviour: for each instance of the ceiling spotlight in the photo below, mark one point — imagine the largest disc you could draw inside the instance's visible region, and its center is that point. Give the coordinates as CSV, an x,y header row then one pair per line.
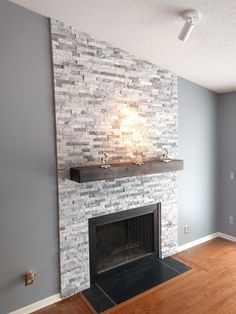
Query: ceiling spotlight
x,y
191,18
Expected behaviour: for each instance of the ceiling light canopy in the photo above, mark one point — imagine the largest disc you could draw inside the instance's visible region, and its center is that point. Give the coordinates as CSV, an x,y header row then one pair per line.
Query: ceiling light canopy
x,y
191,18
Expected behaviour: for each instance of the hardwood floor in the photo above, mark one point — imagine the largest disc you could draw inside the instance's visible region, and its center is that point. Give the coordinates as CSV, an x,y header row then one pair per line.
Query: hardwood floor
x,y
210,287
76,304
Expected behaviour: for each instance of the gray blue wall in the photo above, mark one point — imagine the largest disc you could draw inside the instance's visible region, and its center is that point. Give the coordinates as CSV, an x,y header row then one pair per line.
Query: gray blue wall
x,y
28,192
227,162
197,147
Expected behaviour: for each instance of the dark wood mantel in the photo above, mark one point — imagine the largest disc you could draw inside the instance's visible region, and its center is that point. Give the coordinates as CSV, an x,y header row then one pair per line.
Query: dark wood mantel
x,y
96,173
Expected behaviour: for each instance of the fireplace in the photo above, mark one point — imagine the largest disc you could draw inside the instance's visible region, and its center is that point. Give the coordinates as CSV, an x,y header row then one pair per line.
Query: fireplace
x,y
118,238
106,99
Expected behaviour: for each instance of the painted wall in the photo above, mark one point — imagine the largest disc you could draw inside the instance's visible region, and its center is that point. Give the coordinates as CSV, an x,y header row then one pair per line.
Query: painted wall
x,y
197,188
227,162
28,193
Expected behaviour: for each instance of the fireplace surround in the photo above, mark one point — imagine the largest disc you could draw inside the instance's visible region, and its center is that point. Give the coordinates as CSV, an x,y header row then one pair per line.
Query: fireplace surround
x,y
108,100
118,238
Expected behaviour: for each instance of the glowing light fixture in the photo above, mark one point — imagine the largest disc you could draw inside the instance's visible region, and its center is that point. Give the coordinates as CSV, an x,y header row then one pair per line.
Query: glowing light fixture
x,y
191,18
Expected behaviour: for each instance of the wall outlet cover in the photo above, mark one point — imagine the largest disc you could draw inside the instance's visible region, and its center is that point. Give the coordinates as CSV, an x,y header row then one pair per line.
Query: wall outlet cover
x,y
186,229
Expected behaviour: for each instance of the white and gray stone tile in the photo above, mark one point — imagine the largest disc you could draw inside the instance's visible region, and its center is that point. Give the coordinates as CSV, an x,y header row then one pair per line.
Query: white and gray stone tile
x,y
108,100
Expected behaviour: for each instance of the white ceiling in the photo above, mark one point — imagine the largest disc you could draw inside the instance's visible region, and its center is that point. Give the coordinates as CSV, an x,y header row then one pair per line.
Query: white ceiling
x,y
149,29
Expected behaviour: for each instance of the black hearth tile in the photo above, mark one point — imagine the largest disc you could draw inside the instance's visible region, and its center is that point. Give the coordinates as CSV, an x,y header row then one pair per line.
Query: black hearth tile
x,y
99,301
131,279
176,265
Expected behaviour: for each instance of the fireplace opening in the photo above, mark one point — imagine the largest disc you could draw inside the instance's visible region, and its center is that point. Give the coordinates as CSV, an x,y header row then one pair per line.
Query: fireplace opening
x,y
121,241
118,238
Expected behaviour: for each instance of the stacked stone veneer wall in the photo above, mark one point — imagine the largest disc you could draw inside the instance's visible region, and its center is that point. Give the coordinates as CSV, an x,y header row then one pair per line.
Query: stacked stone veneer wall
x,y
108,100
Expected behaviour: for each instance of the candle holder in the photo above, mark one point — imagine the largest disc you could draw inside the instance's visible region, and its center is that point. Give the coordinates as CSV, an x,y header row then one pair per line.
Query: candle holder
x,y
104,161
138,159
165,155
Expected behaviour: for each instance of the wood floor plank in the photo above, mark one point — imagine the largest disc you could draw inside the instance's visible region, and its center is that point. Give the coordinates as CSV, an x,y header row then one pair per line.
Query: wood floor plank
x,y
72,305
210,287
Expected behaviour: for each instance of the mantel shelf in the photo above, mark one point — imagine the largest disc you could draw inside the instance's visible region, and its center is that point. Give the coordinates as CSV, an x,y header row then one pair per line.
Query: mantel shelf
x,y
96,173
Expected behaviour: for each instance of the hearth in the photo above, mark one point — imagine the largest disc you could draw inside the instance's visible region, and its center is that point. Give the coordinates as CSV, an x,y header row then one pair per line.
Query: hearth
x,y
118,238
123,282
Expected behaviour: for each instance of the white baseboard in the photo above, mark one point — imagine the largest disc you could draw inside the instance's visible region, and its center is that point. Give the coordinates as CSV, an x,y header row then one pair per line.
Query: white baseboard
x,y
226,236
197,242
205,239
38,305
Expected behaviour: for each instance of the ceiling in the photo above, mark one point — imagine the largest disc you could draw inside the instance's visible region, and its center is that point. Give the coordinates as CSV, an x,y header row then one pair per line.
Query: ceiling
x,y
149,29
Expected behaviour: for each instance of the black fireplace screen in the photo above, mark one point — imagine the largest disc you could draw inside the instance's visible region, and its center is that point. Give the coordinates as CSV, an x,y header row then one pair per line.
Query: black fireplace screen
x,y
121,241
120,237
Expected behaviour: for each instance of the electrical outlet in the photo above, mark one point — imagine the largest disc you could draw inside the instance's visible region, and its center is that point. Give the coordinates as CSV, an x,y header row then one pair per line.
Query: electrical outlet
x,y
186,229
231,175
231,220
29,278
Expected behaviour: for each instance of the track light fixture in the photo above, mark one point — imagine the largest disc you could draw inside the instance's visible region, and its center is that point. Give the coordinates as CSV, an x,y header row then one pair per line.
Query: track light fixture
x,y
191,18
